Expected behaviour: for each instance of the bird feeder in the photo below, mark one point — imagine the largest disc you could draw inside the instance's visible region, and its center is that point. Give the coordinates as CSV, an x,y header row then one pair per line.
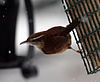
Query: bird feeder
x,y
87,34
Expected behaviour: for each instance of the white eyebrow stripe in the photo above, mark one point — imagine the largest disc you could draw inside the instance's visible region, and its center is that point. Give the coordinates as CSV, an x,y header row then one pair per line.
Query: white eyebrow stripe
x,y
37,37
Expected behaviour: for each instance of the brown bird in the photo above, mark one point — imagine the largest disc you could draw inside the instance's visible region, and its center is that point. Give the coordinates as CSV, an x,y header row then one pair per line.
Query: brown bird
x,y
55,40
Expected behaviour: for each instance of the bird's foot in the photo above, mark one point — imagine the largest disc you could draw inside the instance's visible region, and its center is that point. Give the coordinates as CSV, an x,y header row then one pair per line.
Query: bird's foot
x,y
78,51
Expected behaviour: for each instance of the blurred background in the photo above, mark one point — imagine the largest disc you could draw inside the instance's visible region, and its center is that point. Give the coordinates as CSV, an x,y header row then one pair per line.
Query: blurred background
x,y
65,67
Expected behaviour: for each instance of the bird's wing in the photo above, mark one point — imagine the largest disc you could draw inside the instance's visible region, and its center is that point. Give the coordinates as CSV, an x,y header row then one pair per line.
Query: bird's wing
x,y
54,44
55,30
36,35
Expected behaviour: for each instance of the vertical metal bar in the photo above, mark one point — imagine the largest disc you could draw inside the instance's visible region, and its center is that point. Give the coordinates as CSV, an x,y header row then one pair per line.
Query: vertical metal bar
x,y
29,8
88,39
86,34
84,52
89,30
94,48
94,33
96,27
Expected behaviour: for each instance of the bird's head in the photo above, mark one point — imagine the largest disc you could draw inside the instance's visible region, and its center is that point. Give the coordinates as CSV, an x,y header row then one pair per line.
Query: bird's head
x,y
33,40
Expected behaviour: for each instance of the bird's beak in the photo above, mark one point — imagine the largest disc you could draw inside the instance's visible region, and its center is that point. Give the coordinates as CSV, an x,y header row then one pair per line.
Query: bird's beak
x,y
23,42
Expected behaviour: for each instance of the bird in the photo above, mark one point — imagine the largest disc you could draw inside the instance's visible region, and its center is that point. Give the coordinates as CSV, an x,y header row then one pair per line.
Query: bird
x,y
55,40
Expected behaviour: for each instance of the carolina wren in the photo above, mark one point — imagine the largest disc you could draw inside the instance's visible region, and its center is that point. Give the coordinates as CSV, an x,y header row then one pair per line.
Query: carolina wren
x,y
54,40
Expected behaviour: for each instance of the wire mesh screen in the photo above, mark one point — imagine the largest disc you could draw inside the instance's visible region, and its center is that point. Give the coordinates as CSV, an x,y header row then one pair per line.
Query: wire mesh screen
x,y
87,35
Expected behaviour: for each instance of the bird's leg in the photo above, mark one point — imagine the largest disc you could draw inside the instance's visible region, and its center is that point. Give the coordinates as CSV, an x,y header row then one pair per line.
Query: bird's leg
x,y
78,51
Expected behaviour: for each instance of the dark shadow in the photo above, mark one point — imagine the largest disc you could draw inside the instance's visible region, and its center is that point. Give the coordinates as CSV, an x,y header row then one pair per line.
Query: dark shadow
x,y
8,18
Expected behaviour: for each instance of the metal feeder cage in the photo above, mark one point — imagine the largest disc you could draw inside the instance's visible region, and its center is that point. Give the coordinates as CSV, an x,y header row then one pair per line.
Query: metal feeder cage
x,y
87,34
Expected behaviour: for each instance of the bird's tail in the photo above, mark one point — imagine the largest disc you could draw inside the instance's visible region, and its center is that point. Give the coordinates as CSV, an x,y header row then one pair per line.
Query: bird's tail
x,y
73,25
